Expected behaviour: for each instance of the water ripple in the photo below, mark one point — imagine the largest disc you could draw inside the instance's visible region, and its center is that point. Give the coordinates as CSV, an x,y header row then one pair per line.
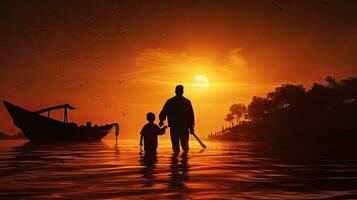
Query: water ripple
x,y
104,170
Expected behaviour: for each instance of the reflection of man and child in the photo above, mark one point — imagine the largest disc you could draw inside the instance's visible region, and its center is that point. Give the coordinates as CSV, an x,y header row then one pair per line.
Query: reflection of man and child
x,y
179,113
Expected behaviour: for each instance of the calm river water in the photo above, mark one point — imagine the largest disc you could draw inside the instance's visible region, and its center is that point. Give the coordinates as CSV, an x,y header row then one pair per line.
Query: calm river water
x,y
104,170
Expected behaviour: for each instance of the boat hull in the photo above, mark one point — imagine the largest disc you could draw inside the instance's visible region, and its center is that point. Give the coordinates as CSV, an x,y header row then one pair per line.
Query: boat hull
x,y
40,128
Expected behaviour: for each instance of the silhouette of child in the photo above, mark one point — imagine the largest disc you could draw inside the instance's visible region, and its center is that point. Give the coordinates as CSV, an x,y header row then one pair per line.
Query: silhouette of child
x,y
149,133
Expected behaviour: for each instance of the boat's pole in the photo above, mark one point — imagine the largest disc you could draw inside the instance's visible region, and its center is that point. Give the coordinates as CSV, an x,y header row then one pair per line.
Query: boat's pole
x,y
65,115
116,125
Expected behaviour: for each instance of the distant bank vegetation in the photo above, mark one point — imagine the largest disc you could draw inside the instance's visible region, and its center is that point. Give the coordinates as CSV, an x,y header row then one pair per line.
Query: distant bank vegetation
x,y
324,112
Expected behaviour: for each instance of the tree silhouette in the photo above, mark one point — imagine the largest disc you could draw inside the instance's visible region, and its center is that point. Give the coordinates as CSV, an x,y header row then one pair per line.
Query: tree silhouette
x,y
238,111
286,95
258,108
325,111
331,81
229,118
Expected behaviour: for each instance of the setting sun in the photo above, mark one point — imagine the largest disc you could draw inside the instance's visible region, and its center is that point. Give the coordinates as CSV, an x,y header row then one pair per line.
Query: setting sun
x,y
200,81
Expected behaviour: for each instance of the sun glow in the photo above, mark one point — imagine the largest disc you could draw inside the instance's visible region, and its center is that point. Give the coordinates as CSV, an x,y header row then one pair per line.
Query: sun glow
x,y
200,82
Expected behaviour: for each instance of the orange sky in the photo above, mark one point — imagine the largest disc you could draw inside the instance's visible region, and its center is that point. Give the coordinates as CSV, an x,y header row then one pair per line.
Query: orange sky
x,y
73,52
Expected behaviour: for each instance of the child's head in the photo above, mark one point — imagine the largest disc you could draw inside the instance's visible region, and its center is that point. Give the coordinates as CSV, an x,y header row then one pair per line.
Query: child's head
x,y
150,117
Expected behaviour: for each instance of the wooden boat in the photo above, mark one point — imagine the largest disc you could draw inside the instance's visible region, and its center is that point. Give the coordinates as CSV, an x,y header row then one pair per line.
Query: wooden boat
x,y
37,127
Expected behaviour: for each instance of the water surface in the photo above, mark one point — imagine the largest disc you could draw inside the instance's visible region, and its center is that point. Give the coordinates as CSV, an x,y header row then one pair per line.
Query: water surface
x,y
104,170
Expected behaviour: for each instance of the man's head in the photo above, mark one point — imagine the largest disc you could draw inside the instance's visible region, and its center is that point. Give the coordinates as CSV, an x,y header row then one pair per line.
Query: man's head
x,y
179,90
150,117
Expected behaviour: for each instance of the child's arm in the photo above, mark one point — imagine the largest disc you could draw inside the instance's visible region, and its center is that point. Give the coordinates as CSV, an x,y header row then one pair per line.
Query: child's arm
x,y
162,130
141,140
141,136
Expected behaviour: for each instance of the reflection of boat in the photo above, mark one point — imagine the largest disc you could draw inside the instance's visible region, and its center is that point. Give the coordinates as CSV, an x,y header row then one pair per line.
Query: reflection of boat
x,y
41,128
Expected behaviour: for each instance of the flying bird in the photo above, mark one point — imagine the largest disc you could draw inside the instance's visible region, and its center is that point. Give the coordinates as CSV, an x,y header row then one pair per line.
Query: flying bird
x,y
281,4
124,113
124,31
94,66
64,51
120,82
160,13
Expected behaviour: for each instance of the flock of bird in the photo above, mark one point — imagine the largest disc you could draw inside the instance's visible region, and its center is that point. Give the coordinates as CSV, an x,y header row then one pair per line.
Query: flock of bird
x,y
82,81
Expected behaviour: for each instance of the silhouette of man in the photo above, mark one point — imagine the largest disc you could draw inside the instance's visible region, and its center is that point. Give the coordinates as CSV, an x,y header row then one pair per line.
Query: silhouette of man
x,y
181,120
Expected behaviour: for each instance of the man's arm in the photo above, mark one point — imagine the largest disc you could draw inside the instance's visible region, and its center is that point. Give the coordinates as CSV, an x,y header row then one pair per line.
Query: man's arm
x,y
191,118
163,114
